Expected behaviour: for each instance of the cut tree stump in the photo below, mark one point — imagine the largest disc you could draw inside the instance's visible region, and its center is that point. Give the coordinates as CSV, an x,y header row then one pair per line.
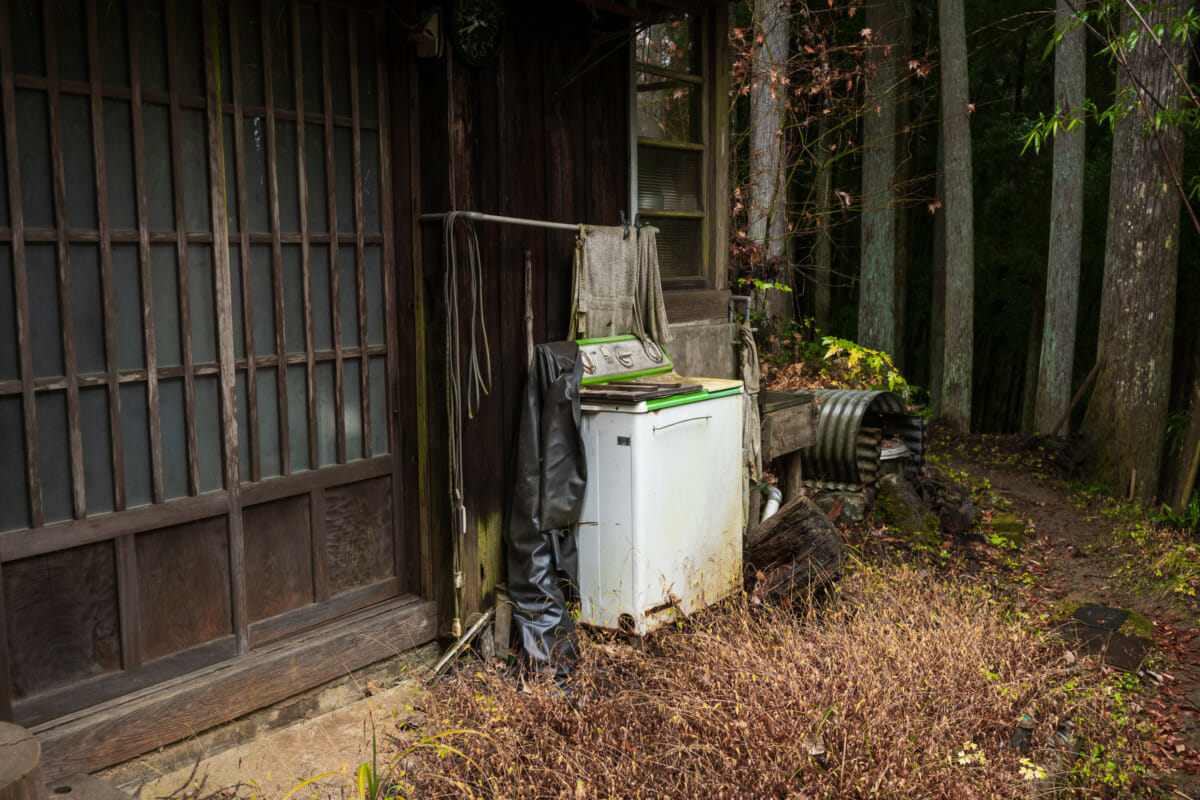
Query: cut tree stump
x,y
20,764
792,554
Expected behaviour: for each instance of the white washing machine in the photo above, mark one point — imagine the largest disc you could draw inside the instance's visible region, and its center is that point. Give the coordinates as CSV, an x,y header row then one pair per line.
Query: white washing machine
x,y
660,532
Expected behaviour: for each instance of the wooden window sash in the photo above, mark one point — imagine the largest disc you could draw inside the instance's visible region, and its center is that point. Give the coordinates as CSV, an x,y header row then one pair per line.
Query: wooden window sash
x,y
334,256
364,371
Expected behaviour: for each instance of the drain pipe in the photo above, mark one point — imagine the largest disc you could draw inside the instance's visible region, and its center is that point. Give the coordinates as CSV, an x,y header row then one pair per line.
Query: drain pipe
x,y
774,498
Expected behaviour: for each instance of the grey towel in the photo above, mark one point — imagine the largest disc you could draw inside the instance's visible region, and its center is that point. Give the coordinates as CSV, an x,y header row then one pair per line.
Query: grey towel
x,y
617,285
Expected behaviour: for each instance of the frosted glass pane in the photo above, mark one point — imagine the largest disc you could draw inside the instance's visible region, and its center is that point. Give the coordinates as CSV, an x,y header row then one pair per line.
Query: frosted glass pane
x,y
298,416
97,450
281,53
165,282
135,441
87,309
42,277
174,438
293,299
189,59
54,461
70,29
314,166
326,413
231,194
25,17
371,256
208,433
368,89
339,60
287,176
203,307
127,303
268,422
118,158
195,169
352,406
262,297
159,185
235,284
370,180
14,500
10,358
33,147
250,49
348,295
322,313
151,47
77,161
114,68
255,143
379,406
243,424
343,165
310,52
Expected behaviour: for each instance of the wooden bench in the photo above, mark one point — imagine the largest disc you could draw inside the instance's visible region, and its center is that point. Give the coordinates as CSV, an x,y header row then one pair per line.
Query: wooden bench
x,y
789,424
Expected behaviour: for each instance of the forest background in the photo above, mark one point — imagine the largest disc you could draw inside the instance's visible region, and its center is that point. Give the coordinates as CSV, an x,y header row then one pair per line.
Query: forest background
x,y
853,216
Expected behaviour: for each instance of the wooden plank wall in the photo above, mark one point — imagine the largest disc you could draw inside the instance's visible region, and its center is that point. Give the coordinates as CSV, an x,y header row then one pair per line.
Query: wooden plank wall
x,y
517,139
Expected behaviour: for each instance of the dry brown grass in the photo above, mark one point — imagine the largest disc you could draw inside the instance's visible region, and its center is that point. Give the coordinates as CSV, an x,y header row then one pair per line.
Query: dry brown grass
x,y
912,684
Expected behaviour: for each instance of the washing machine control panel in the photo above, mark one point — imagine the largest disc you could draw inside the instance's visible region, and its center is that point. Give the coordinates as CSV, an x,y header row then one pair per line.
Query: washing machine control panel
x,y
613,359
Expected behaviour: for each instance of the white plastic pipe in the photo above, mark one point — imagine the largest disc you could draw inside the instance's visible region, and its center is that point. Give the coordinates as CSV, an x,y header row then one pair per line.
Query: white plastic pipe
x,y
774,498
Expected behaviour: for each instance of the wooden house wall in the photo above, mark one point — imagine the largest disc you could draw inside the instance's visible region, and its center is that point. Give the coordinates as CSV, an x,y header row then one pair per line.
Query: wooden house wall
x,y
543,133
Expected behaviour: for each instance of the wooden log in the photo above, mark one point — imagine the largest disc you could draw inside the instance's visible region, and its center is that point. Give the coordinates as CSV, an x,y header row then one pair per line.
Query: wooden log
x,y
20,764
792,553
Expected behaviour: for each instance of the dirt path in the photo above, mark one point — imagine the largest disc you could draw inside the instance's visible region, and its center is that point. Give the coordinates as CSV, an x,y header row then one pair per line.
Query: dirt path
x,y
1073,556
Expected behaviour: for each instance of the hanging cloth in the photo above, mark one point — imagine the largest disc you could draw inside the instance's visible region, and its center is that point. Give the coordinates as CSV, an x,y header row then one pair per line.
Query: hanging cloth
x,y
751,426
617,288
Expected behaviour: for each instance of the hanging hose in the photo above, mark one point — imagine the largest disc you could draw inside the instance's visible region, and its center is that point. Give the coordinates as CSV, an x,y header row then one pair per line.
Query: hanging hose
x,y
480,381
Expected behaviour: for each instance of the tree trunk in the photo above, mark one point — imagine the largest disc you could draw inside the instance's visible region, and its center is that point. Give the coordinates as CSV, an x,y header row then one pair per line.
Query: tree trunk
x,y
793,553
1066,231
937,289
823,253
768,97
1033,346
959,210
903,173
1189,454
877,277
1127,415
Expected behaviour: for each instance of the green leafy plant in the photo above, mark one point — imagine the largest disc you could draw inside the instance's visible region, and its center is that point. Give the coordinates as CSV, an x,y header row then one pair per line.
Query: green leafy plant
x,y
873,367
1189,520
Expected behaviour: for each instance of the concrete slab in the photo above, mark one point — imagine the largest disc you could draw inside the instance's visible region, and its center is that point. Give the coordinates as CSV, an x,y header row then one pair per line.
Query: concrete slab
x,y
331,745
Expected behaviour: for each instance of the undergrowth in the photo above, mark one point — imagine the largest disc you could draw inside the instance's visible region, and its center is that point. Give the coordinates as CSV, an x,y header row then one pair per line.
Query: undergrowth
x,y
902,686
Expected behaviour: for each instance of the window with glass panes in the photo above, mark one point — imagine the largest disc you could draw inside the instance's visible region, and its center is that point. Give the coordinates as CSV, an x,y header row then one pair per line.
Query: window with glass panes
x,y
672,137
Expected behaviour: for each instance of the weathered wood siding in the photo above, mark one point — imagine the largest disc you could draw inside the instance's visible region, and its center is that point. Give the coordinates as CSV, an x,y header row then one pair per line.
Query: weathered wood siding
x,y
543,133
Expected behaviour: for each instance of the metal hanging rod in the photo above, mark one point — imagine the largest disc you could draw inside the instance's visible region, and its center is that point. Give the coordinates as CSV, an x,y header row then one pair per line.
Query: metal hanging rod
x,y
479,217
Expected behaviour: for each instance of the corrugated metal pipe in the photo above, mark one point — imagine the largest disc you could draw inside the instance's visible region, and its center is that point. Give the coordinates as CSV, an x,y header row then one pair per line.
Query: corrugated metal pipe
x,y
851,428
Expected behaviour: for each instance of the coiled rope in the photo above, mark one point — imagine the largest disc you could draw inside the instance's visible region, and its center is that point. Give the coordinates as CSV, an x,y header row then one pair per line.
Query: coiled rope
x,y
480,378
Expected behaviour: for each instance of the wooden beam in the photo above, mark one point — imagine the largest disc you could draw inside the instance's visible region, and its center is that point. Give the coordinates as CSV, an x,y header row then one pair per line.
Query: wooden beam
x,y
20,281
281,391
314,450
62,257
120,729
335,302
181,255
99,157
143,221
364,374
247,310
223,295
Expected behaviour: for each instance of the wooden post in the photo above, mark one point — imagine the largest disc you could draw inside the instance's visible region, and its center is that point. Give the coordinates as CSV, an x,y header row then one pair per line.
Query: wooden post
x,y
20,764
